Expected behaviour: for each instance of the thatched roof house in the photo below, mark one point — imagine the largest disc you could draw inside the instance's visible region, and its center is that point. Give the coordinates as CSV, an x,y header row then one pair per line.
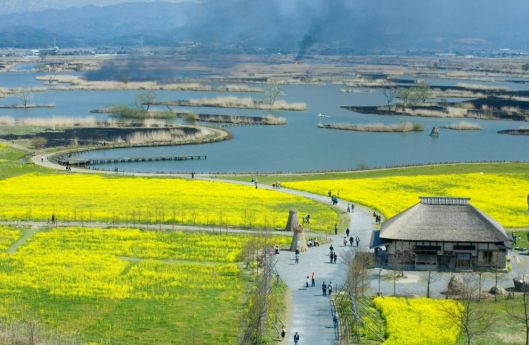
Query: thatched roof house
x,y
443,232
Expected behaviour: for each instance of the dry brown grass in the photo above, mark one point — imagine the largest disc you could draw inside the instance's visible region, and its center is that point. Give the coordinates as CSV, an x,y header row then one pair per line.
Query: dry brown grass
x,y
244,103
249,120
403,126
170,136
463,126
447,112
78,83
483,87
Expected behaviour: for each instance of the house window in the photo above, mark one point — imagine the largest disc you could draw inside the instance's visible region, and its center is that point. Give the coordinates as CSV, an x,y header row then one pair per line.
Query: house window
x,y
487,257
463,260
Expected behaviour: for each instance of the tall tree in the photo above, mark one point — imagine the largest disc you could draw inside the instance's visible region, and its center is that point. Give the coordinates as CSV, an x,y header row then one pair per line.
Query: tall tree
x,y
24,95
145,98
390,93
272,92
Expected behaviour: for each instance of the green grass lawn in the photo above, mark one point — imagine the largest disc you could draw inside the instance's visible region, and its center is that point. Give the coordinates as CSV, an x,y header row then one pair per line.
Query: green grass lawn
x,y
491,168
12,164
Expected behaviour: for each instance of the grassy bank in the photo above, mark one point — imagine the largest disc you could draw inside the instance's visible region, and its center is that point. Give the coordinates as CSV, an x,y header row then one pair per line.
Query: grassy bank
x,y
11,163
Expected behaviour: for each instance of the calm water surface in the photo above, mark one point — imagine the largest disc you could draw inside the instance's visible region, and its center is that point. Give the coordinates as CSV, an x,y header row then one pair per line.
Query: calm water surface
x,y
300,145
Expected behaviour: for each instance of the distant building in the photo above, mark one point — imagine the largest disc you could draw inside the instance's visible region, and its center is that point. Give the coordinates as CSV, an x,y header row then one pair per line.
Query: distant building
x,y
443,233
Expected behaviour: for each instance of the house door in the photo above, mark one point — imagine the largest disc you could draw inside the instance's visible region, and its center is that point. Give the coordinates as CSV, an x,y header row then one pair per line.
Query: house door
x,y
463,260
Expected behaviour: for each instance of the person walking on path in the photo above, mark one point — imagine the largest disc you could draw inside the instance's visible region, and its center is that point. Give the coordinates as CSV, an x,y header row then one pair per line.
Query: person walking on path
x,y
335,257
307,282
303,219
324,288
335,229
296,338
313,280
297,258
283,333
357,241
192,174
331,256
347,232
330,289
351,240
53,218
348,208
345,241
335,320
352,207
308,219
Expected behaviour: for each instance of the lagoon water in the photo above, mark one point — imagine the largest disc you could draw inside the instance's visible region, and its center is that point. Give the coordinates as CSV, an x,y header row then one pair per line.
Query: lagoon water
x,y
299,145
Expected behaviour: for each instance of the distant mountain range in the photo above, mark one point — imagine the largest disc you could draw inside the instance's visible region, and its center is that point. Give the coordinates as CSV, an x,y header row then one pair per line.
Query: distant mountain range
x,y
387,24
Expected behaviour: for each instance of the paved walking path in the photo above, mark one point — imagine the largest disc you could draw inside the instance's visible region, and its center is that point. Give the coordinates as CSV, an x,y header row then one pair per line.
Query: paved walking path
x,y
311,311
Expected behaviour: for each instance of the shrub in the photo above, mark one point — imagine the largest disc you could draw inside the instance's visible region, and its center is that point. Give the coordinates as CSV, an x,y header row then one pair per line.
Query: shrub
x,y
417,127
38,142
191,117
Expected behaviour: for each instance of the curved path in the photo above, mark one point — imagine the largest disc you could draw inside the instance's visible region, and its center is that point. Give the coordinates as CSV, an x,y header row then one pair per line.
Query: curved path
x,y
311,314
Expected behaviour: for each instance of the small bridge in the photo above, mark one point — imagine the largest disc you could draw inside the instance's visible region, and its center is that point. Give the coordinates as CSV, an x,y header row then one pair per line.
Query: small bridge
x,y
92,161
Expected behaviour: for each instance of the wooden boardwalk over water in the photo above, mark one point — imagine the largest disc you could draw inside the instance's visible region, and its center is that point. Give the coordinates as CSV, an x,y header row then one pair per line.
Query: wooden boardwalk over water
x,y
92,161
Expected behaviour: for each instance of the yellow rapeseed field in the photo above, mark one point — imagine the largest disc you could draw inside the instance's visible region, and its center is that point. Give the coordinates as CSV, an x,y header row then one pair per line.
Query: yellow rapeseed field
x,y
127,286
416,321
502,196
140,200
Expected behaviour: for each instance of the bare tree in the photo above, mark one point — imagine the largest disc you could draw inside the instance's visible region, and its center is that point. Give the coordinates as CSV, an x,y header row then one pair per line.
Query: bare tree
x,y
467,313
24,95
390,93
520,311
431,277
145,98
398,261
358,265
272,92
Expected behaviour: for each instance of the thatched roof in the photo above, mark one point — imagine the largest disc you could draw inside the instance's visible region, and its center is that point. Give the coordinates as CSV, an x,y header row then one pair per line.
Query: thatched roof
x,y
443,220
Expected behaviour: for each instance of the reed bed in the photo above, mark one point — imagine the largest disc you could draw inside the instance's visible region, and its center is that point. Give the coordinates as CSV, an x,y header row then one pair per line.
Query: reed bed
x,y
53,122
78,83
482,87
243,103
447,112
27,106
403,126
463,126
163,137
250,120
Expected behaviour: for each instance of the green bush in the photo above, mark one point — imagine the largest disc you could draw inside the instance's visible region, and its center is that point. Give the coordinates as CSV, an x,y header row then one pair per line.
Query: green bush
x,y
191,117
417,127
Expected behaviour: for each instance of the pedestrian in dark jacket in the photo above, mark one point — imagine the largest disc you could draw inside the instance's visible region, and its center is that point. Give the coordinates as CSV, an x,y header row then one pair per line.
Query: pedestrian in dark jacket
x,y
296,338
324,288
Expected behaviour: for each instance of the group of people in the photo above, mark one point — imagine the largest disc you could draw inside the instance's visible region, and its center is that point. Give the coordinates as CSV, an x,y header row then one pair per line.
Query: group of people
x,y
377,217
351,207
333,257
306,219
351,239
313,242
52,219
68,168
326,288
276,184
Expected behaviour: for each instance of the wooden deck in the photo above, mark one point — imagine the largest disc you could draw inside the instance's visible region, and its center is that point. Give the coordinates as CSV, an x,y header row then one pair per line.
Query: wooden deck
x,y
92,161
